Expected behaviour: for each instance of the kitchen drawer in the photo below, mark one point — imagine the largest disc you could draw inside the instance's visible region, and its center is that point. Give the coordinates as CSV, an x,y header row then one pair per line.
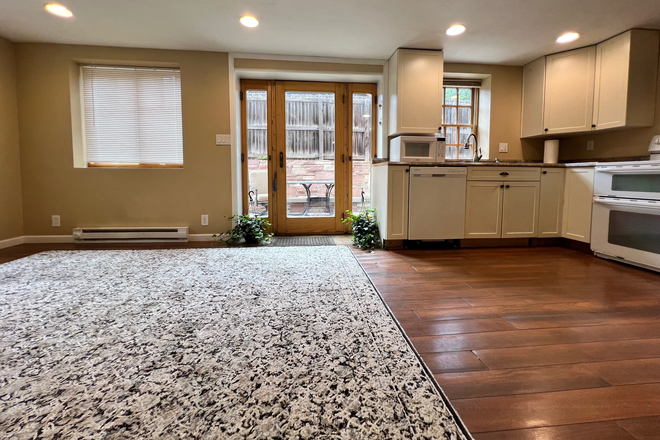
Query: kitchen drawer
x,y
529,174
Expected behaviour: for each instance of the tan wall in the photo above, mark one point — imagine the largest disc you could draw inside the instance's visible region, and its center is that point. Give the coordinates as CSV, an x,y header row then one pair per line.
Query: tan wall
x,y
306,66
613,143
506,100
11,206
121,197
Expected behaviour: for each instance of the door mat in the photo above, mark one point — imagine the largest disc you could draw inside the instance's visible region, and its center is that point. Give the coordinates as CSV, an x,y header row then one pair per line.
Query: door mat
x,y
302,241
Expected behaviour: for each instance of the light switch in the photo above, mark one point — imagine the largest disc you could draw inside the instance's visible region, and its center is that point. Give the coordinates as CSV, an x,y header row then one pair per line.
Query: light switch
x,y
504,148
55,221
223,139
590,145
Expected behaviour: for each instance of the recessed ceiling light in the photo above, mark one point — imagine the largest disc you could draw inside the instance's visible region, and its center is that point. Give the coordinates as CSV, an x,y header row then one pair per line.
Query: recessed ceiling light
x,y
59,10
249,21
456,29
568,37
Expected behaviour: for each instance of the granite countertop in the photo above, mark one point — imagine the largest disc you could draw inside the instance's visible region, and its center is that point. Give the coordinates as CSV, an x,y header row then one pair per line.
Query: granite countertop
x,y
516,163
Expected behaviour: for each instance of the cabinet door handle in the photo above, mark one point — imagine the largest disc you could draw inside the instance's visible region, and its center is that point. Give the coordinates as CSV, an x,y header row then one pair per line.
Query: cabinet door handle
x,y
501,186
545,129
545,172
508,186
281,160
593,125
504,173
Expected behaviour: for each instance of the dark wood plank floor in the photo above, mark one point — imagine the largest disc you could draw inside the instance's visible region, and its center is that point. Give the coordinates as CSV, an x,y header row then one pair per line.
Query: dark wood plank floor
x,y
528,343
532,343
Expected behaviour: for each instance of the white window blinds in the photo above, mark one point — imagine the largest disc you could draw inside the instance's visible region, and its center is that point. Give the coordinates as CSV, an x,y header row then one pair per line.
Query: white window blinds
x,y
132,115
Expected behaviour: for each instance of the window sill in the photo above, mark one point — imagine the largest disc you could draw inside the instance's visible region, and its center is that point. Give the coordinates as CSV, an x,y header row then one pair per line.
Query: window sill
x,y
132,165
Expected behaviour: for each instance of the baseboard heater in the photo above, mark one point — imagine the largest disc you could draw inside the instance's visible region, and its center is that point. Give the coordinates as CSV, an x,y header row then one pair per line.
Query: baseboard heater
x,y
130,235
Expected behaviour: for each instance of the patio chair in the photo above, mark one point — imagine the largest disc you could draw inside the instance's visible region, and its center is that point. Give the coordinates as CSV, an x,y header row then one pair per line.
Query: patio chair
x,y
258,190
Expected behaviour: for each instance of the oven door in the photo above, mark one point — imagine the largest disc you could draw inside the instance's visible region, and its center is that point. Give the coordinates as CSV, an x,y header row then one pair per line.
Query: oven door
x,y
627,229
630,181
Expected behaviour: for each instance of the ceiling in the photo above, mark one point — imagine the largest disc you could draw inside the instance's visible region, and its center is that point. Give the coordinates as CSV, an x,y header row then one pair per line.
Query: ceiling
x,y
498,31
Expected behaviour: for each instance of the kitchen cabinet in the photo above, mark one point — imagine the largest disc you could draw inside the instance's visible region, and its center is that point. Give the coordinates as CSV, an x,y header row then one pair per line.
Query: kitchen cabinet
x,y
551,202
625,85
502,208
531,122
483,209
578,199
611,85
520,209
569,91
390,200
415,91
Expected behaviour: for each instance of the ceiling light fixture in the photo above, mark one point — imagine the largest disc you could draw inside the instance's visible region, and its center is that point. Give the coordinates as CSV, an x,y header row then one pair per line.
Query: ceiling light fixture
x,y
59,10
456,29
249,21
568,37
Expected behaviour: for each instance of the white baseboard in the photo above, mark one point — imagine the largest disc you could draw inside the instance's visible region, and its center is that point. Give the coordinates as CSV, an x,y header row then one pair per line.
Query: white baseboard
x,y
48,239
69,239
201,237
11,242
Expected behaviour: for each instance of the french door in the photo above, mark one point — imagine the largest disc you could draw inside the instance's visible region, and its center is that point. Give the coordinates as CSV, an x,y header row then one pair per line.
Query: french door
x,y
306,152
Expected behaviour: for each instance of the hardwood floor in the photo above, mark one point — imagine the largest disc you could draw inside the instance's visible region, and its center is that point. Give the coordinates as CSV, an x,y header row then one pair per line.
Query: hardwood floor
x,y
528,343
532,343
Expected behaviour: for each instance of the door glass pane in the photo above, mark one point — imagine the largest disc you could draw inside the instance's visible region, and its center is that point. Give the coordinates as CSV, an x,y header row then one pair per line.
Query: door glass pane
x,y
648,183
256,111
310,154
362,152
635,230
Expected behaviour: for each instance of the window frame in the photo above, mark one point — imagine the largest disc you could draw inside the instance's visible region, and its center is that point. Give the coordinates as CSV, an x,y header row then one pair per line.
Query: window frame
x,y
474,107
83,139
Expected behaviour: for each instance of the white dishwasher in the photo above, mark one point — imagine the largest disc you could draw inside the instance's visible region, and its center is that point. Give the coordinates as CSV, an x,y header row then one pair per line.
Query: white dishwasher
x,y
437,203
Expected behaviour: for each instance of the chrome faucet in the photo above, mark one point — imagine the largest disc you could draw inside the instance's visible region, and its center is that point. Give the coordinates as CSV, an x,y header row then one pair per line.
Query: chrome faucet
x,y
476,156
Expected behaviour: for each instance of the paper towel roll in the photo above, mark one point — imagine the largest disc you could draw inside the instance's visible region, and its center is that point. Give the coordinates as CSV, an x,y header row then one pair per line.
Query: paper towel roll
x,y
551,151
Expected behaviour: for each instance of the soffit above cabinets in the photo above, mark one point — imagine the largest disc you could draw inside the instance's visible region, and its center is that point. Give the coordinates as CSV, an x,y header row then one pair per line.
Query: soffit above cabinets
x,y
511,32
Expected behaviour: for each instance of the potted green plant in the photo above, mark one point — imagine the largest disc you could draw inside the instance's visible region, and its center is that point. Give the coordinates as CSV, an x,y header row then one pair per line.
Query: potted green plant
x,y
364,229
252,230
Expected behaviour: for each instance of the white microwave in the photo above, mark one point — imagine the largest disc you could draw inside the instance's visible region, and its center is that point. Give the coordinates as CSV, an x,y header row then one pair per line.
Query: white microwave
x,y
417,149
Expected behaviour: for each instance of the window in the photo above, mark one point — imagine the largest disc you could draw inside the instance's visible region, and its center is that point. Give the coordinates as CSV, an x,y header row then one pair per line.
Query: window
x,y
132,116
459,116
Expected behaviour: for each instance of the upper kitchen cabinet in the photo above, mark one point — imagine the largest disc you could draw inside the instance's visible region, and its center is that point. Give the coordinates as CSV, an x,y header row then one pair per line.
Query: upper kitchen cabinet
x,y
625,88
569,91
610,85
415,91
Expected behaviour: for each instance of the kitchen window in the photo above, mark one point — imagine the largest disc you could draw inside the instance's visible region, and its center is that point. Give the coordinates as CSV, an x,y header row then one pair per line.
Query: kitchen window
x,y
459,116
132,116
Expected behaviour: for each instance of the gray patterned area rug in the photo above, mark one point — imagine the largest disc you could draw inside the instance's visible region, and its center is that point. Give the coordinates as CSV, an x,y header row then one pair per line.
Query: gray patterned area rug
x,y
252,343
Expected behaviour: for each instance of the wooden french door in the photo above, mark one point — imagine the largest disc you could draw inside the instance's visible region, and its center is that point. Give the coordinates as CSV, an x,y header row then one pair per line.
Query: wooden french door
x,y
297,153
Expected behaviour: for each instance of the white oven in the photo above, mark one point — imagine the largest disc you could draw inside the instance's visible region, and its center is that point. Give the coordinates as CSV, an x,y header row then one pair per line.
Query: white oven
x,y
417,149
633,180
626,213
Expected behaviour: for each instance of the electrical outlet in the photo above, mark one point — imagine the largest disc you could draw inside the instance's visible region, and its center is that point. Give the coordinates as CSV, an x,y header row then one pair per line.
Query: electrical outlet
x,y
223,139
205,220
590,145
504,148
55,221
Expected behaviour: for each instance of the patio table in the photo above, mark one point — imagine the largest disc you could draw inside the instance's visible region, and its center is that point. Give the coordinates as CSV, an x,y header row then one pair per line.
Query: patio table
x,y
329,184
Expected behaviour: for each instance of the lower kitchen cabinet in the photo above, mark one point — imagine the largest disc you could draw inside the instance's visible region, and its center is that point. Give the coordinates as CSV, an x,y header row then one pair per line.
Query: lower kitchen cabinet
x,y
520,208
483,209
551,202
578,199
501,209
390,200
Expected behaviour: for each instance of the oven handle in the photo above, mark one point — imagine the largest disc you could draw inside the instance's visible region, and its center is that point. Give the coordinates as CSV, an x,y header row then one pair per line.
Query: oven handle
x,y
654,170
626,202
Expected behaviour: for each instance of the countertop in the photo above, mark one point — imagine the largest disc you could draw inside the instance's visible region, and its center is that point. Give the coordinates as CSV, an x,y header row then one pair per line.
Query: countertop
x,y
519,163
